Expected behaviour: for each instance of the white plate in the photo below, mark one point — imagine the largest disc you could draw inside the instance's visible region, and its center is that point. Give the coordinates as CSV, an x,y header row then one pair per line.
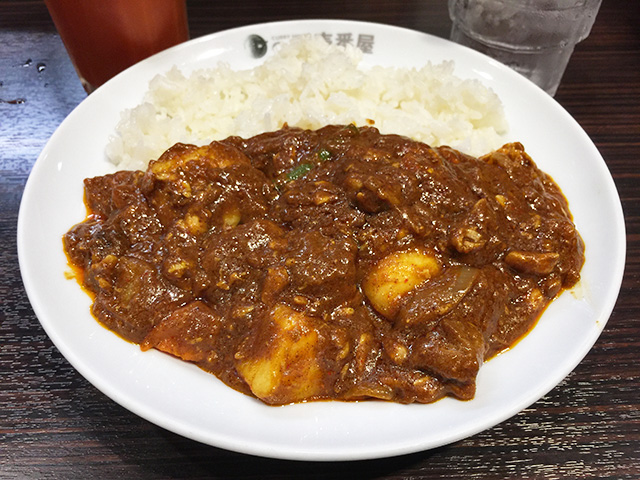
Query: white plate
x,y
192,403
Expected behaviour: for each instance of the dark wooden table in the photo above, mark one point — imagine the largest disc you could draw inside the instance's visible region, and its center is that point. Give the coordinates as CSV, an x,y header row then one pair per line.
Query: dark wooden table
x,y
54,424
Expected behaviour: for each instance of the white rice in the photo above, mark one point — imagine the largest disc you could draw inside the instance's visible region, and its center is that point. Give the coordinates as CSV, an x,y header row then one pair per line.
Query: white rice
x,y
308,83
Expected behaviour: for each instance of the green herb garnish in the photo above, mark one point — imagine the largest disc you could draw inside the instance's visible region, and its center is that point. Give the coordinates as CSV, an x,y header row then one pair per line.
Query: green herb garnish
x,y
324,154
300,171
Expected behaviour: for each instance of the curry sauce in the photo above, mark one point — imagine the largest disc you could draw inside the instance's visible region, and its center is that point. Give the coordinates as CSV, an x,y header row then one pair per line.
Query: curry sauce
x,y
331,264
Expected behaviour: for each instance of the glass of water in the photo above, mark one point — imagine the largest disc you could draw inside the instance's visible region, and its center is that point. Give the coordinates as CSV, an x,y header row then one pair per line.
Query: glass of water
x,y
534,37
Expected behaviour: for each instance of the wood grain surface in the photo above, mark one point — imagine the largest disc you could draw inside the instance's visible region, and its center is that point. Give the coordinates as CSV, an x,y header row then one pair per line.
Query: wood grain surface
x,y
55,425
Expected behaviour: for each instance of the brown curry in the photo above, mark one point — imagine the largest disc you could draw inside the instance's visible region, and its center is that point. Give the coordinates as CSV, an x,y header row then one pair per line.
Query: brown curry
x,y
330,264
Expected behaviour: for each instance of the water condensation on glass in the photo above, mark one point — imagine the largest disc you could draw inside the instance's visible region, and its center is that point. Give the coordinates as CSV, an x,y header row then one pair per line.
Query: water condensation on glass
x,y
534,37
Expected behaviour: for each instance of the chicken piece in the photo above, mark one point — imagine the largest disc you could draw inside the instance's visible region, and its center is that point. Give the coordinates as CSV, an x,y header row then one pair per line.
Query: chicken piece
x,y
214,186
188,333
536,263
134,297
454,350
436,298
171,165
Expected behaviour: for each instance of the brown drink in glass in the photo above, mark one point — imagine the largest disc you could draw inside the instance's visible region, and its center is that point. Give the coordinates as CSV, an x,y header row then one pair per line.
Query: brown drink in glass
x,y
104,37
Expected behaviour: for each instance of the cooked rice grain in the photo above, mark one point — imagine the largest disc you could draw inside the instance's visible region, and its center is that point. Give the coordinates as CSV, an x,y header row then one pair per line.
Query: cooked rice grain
x,y
308,83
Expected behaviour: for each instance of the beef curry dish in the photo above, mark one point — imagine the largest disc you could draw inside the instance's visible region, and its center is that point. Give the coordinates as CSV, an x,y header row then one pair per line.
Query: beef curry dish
x,y
339,263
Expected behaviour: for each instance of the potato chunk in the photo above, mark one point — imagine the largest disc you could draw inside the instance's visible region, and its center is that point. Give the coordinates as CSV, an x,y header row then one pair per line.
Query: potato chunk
x,y
396,275
288,370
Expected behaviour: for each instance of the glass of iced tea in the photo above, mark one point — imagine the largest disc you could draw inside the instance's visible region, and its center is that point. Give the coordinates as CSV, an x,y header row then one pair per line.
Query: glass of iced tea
x,y
104,37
